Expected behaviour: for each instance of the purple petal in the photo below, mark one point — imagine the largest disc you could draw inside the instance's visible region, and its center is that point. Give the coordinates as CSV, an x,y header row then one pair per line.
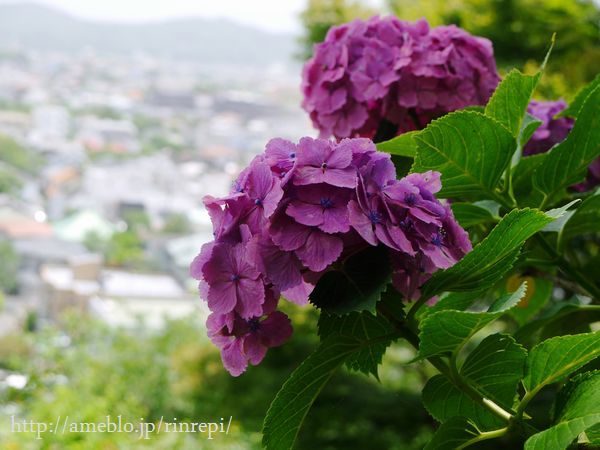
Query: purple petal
x,y
320,250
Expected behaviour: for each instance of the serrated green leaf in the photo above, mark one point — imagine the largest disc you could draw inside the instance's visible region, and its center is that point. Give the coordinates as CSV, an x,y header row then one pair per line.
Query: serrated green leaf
x,y
552,360
539,292
575,105
469,214
494,369
584,220
457,301
363,326
567,163
469,149
579,397
509,102
489,261
402,145
560,436
445,332
355,285
293,401
456,433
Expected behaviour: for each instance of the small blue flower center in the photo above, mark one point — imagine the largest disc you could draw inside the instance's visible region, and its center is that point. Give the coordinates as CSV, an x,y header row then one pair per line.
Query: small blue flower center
x,y
258,202
324,166
406,224
292,155
326,202
410,199
234,277
374,217
254,324
437,239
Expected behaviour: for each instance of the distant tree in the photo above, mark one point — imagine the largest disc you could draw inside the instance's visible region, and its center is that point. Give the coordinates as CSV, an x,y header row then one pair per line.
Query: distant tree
x,y
124,249
9,266
9,182
14,154
521,30
320,15
177,224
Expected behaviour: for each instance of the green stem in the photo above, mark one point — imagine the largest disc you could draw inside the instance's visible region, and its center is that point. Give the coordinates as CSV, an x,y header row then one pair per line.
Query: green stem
x,y
484,436
453,376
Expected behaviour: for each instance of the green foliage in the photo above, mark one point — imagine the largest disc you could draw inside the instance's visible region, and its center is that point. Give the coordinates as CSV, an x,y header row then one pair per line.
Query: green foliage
x,y
17,156
469,149
355,284
567,163
446,332
124,249
402,145
469,214
456,433
9,267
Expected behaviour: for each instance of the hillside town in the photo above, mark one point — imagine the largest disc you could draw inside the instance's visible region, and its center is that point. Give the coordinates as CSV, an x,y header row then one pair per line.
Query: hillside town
x,y
104,160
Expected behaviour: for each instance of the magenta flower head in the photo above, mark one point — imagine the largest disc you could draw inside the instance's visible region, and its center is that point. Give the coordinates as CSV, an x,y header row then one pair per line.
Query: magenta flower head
x,y
389,73
554,130
296,213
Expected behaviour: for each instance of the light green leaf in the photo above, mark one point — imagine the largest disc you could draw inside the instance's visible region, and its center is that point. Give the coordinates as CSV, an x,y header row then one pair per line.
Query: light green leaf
x,y
509,102
469,149
445,332
364,326
560,436
457,433
469,214
494,369
553,359
457,301
573,109
402,145
567,163
580,397
489,261
528,127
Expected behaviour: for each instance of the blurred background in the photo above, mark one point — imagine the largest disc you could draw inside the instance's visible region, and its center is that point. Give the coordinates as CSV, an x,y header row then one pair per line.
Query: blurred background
x,y
115,119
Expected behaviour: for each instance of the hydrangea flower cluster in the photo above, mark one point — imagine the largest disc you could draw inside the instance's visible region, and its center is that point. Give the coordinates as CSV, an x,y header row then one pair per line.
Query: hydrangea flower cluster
x,y
385,70
294,212
554,130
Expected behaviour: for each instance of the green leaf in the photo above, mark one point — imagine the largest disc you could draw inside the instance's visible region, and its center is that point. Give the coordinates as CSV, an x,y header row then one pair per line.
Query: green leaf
x,y
293,401
445,332
554,359
580,397
402,145
469,149
528,127
573,109
489,261
585,219
567,163
355,285
560,436
509,102
457,433
363,326
457,301
494,369
522,176
469,214
538,294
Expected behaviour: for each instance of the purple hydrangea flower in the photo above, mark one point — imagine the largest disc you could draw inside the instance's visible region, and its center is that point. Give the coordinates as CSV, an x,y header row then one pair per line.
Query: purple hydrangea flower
x,y
385,70
554,130
295,212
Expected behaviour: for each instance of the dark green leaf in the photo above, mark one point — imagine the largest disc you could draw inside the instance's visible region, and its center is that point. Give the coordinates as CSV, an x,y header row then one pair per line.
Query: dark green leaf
x,y
457,433
355,285
469,214
585,219
364,326
489,261
445,332
522,177
567,163
573,109
538,294
494,369
469,149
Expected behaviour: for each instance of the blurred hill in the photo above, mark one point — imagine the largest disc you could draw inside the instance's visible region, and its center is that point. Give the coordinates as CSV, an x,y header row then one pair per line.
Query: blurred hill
x,y
206,40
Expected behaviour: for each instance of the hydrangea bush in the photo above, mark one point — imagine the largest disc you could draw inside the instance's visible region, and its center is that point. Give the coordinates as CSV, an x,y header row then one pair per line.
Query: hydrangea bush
x,y
471,234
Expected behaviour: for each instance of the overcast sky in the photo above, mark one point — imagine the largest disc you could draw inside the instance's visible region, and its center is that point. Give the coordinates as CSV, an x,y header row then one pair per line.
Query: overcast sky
x,y
273,15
